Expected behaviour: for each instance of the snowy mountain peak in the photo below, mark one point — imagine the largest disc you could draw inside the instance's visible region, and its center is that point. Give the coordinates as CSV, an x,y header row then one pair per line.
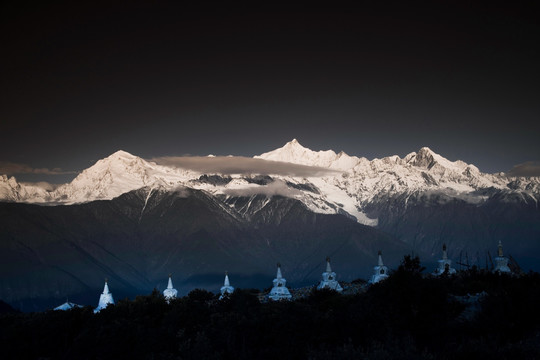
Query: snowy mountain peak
x,y
121,154
352,188
427,159
426,150
293,141
294,152
424,158
117,174
107,178
11,190
293,146
121,164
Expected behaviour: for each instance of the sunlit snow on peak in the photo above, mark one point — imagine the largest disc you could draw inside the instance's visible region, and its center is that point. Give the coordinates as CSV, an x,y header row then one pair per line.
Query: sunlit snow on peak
x,y
324,181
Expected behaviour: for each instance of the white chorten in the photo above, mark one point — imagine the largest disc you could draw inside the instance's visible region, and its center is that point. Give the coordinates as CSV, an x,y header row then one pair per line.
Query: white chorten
x,y
501,262
67,306
226,289
279,291
105,298
329,279
170,292
445,264
380,272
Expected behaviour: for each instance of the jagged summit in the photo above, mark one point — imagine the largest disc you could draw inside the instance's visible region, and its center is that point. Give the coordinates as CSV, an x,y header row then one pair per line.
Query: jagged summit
x,y
427,158
11,190
351,188
293,142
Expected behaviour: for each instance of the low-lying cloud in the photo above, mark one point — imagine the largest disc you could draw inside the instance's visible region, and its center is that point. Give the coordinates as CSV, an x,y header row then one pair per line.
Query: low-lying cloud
x,y
228,165
9,168
277,187
448,195
42,184
527,169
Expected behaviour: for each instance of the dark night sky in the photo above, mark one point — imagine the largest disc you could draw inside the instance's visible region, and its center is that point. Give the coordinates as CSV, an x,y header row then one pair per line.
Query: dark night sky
x,y
154,80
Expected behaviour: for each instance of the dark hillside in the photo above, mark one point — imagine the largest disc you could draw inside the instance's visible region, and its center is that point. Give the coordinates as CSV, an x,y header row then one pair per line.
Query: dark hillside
x,y
48,253
405,317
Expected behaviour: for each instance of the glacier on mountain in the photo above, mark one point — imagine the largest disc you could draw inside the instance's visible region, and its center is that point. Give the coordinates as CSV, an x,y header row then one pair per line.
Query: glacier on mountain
x,y
349,188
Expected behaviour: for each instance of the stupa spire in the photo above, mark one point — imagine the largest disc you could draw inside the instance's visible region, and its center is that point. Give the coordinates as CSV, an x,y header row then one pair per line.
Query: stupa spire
x,y
226,289
444,254
380,272
501,262
278,274
329,279
445,264
380,261
105,298
170,292
279,291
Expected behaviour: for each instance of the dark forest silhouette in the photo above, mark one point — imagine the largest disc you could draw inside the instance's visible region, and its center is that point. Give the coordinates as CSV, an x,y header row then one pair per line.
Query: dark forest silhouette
x,y
408,316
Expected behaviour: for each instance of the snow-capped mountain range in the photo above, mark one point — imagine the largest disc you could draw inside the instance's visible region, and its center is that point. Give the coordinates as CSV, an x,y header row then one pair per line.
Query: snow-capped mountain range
x,y
156,218
350,186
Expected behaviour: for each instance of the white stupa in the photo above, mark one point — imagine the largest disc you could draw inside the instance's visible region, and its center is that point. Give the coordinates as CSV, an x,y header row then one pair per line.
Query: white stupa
x,y
329,279
501,262
279,291
445,264
105,299
170,292
67,306
380,272
226,289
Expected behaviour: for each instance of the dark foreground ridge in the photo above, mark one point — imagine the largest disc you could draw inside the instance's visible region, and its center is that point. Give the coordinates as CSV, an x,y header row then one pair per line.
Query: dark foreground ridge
x,y
408,316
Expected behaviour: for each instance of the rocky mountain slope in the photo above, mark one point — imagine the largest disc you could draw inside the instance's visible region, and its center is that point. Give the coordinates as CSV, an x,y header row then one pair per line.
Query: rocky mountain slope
x,y
135,220
353,185
136,239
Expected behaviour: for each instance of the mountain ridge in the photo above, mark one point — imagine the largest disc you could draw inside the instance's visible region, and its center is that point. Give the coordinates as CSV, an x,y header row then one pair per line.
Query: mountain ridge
x,y
197,224
354,185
